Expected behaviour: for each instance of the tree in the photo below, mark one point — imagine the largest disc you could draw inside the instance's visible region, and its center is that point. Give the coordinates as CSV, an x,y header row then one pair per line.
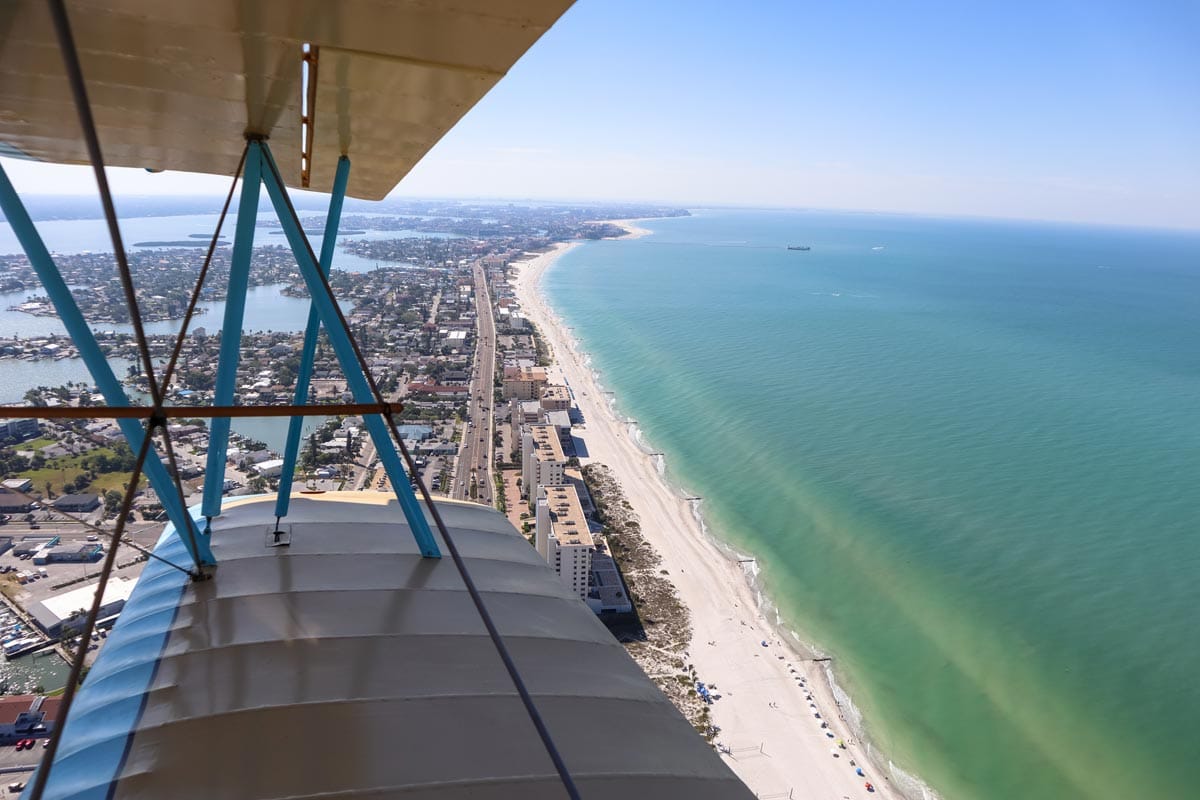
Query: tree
x,y
112,502
312,451
123,459
11,463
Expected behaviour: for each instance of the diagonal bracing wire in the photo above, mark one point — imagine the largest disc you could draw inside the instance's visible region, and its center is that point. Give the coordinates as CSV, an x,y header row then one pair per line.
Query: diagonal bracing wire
x,y
89,626
108,535
510,665
66,45
477,599
157,390
195,298
169,372
156,421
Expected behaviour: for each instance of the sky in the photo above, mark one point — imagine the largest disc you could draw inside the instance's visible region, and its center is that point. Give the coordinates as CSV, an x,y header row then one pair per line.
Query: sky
x,y
1056,110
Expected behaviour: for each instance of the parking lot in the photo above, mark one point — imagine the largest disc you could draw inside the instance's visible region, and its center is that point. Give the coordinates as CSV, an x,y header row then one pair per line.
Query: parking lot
x,y
143,533
12,758
59,578
16,766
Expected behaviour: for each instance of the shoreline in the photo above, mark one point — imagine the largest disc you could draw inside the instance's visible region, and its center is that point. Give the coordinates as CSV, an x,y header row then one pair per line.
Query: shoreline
x,y
632,229
772,694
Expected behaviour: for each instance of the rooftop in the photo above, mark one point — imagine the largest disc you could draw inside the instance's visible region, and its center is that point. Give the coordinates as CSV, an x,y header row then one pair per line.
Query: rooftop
x,y
555,392
69,501
568,524
559,419
65,604
12,707
523,373
545,442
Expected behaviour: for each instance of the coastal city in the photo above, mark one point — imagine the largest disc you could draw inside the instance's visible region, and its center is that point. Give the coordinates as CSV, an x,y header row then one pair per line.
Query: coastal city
x,y
495,407
562,398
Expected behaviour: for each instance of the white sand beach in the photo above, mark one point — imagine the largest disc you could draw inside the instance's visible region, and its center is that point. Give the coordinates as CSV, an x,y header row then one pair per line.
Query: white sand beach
x,y
766,718
633,230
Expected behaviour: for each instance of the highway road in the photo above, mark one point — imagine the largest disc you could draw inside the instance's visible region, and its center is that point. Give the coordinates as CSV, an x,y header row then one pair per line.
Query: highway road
x,y
474,466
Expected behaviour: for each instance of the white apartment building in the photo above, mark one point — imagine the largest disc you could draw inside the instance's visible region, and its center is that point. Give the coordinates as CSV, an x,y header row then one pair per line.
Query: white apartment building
x,y
562,536
542,459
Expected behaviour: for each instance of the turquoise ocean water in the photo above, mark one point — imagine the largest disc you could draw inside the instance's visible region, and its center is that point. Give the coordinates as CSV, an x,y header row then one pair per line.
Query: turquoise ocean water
x,y
967,455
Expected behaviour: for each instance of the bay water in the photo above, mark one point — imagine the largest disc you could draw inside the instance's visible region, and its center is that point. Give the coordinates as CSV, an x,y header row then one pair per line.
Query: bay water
x,y
966,455
266,308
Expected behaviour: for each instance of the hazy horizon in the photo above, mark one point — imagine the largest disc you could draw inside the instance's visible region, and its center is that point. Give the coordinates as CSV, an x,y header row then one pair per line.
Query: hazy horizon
x,y
315,202
1058,112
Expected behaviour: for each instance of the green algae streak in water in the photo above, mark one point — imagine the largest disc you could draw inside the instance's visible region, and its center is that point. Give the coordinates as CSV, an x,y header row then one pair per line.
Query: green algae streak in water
x,y
967,455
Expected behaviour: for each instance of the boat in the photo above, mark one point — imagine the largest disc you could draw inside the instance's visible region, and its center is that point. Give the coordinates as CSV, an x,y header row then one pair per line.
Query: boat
x,y
799,247
20,647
